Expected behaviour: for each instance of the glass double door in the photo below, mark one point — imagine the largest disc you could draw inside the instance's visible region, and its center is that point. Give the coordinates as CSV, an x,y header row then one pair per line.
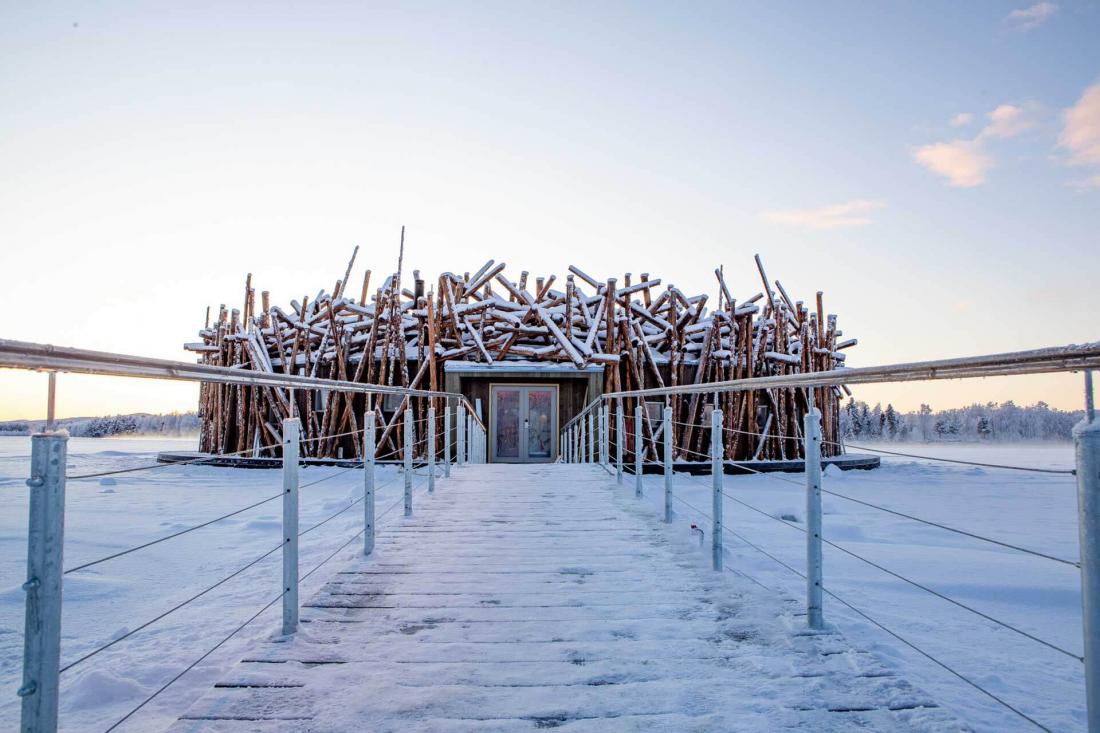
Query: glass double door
x,y
524,424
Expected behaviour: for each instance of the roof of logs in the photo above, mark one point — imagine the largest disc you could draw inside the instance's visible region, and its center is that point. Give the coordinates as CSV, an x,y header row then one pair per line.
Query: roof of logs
x,y
488,317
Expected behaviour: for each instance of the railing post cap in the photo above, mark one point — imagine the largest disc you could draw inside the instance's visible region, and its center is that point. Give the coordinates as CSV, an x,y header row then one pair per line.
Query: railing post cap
x,y
1086,430
59,433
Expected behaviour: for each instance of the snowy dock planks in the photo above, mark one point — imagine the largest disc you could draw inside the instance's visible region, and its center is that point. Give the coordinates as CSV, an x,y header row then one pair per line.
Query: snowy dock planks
x,y
540,596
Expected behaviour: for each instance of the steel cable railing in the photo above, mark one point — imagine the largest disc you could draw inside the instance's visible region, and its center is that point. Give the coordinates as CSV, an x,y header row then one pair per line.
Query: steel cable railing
x,y
235,631
206,590
956,530
165,538
930,523
85,566
1032,469
215,457
154,466
585,441
353,503
910,581
171,610
45,540
329,477
1008,706
195,663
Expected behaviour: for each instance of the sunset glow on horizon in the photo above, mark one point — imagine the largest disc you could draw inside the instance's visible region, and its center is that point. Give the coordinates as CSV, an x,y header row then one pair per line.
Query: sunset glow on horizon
x,y
913,162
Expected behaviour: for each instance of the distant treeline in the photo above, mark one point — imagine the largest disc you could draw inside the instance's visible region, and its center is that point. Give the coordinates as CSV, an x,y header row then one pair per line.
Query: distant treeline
x,y
1004,421
142,423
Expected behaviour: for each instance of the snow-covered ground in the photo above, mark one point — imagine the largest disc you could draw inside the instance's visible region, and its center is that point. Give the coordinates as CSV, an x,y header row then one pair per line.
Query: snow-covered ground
x,y
1042,597
104,516
108,515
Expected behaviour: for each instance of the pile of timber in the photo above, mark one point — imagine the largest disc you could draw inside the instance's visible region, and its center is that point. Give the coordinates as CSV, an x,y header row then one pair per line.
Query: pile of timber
x,y
643,334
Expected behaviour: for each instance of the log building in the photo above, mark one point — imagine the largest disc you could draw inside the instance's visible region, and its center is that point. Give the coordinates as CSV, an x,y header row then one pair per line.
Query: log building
x,y
528,353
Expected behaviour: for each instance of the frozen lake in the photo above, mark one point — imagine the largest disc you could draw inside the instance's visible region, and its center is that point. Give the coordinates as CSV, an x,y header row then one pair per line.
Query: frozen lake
x,y
1034,510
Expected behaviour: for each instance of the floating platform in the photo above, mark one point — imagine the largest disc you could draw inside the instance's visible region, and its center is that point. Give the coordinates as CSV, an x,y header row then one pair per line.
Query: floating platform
x,y
847,462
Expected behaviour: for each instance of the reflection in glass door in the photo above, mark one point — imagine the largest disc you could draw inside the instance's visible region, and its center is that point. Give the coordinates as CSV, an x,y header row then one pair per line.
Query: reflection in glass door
x,y
523,423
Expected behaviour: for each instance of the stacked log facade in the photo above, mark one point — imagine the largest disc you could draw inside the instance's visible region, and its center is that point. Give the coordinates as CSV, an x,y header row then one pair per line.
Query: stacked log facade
x,y
642,332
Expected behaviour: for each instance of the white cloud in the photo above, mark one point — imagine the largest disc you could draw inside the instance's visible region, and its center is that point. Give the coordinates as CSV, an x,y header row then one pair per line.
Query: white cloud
x,y
848,215
1086,184
961,162
1007,121
964,163
1081,133
962,119
1081,136
1024,19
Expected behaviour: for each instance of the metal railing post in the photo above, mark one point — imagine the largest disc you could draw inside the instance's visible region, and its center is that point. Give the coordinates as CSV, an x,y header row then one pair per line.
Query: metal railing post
x,y
408,457
716,472
42,624
1086,439
460,427
667,430
482,444
811,431
605,451
619,441
291,431
368,481
471,439
431,450
582,437
592,435
638,453
446,441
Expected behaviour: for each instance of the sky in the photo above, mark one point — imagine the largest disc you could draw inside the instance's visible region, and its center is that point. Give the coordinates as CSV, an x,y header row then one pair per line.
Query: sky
x,y
933,167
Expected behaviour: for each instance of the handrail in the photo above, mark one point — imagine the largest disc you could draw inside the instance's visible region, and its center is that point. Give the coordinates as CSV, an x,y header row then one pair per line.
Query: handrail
x,y
46,357
472,412
1069,358
584,411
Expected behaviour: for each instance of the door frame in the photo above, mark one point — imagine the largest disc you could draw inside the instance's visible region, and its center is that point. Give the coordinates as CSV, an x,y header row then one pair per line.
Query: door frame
x,y
555,420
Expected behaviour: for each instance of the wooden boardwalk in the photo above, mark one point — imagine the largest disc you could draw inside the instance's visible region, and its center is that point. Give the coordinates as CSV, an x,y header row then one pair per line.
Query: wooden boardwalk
x,y
529,597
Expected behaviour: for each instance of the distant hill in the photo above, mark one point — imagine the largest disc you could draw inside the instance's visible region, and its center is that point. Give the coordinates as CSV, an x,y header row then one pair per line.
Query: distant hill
x,y
173,424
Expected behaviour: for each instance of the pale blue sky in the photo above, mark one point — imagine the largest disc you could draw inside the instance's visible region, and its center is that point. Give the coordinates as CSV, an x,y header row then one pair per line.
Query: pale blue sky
x,y
153,153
